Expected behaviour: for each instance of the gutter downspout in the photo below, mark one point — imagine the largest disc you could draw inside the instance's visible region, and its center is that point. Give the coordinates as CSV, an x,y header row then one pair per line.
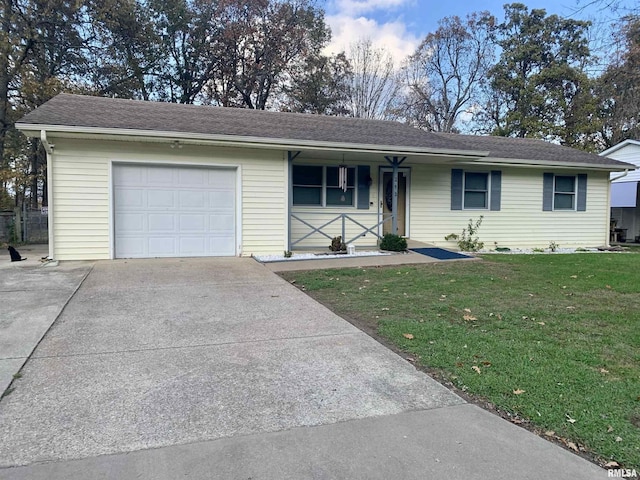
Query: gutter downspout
x,y
48,147
608,229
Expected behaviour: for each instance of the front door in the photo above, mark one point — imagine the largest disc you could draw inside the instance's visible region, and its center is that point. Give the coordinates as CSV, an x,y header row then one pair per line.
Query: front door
x,y
386,196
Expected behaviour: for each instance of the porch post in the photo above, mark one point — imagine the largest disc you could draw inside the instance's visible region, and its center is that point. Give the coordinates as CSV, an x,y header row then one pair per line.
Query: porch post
x,y
395,163
290,157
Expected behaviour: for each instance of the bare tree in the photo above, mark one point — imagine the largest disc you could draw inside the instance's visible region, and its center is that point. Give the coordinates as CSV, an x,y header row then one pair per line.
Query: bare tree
x,y
442,78
374,84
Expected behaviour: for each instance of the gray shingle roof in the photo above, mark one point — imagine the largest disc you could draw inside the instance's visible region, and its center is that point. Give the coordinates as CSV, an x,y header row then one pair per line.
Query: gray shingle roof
x,y
108,113
526,148
100,112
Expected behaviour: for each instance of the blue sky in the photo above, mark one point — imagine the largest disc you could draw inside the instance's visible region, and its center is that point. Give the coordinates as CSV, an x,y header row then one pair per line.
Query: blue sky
x,y
399,25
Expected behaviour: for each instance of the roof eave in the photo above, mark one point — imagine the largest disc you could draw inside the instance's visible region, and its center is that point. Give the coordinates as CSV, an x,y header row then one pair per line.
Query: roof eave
x,y
34,130
611,167
617,147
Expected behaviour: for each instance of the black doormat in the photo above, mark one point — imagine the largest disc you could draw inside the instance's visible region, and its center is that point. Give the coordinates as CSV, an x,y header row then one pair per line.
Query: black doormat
x,y
439,253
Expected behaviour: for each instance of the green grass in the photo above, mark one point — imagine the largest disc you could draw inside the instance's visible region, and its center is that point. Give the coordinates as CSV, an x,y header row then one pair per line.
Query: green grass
x,y
564,329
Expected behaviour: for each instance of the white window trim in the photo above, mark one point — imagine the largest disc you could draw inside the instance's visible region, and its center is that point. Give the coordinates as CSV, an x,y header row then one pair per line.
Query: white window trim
x,y
464,190
323,193
574,208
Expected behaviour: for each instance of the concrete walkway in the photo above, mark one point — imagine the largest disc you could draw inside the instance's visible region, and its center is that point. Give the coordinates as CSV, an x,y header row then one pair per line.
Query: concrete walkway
x,y
217,368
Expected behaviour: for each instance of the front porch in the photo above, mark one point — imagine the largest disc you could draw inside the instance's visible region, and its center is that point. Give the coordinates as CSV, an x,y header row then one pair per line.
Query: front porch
x,y
358,203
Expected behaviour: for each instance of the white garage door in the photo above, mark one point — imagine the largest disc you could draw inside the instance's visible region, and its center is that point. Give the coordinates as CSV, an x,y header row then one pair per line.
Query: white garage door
x,y
165,211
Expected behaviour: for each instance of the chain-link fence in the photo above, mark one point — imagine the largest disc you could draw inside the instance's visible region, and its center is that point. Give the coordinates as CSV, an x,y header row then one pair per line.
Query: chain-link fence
x,y
24,226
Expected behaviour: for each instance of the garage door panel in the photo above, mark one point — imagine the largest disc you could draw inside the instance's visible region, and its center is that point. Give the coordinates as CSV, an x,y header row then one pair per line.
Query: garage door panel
x,y
130,197
131,176
221,199
162,223
222,223
134,247
193,200
221,178
131,222
167,211
160,198
193,223
162,246
192,177
220,247
160,176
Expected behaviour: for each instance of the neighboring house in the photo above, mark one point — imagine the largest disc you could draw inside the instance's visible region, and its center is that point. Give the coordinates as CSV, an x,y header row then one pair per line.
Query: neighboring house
x,y
625,209
147,179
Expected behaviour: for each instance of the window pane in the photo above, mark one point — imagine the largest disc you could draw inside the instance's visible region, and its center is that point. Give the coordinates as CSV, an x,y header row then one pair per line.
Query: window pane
x,y
335,196
475,200
307,195
307,175
565,184
475,181
563,201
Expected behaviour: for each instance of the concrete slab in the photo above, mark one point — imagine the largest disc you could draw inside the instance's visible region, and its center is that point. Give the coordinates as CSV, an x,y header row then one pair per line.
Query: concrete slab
x,y
109,315
408,258
87,405
459,442
32,298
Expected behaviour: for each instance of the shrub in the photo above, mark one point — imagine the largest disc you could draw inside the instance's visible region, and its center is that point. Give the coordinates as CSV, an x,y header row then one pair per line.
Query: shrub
x,y
393,243
469,241
337,245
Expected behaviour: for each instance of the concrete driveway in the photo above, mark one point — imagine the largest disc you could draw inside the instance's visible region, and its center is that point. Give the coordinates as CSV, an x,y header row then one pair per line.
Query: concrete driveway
x,y
31,298
217,368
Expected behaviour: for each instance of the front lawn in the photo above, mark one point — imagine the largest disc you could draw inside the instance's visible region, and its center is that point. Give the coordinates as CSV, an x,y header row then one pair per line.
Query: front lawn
x,y
552,341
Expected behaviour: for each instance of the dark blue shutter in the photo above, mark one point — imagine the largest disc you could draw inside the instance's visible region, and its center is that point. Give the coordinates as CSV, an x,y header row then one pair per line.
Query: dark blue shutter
x,y
582,192
547,192
456,189
496,189
364,181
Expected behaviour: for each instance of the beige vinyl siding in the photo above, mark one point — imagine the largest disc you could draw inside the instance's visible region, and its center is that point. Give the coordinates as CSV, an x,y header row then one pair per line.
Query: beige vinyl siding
x,y
520,222
81,192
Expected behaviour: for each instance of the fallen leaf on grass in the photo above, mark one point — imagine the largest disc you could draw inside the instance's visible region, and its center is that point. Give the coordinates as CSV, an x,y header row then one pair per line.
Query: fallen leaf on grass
x,y
476,369
385,309
608,286
571,307
486,364
468,310
573,446
540,323
569,419
518,391
618,439
410,359
603,370
574,276
611,465
550,433
408,335
469,317
609,429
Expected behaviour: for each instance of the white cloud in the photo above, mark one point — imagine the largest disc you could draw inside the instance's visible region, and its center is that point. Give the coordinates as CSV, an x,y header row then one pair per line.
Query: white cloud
x,y
392,36
359,7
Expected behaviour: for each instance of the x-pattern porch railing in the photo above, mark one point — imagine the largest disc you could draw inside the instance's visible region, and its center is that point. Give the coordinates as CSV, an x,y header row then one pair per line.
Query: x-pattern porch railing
x,y
343,217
